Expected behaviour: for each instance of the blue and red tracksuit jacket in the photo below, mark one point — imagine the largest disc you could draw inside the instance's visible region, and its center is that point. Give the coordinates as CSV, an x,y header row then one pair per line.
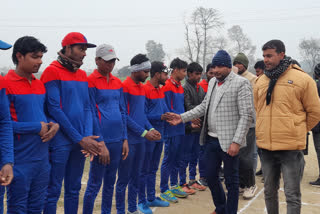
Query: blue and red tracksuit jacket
x,y
174,97
6,134
109,110
204,85
27,108
68,103
137,122
155,106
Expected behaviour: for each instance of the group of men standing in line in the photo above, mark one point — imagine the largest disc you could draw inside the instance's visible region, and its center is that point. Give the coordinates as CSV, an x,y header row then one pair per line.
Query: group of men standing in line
x,y
49,127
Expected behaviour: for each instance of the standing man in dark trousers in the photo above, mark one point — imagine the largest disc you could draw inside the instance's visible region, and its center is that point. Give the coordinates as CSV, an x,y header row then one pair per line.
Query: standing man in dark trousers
x,y
246,154
6,137
68,103
287,108
228,114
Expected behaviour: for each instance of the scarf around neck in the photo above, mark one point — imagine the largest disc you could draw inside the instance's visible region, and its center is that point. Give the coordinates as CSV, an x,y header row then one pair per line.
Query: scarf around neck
x,y
274,75
68,63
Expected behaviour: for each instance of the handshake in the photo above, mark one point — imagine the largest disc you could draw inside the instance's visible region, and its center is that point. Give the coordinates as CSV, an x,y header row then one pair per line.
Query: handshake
x,y
174,119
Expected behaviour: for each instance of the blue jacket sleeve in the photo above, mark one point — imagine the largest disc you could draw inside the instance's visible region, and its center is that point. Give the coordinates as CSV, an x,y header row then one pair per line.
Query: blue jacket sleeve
x,y
132,125
26,127
53,104
151,117
95,117
169,101
124,114
6,133
89,116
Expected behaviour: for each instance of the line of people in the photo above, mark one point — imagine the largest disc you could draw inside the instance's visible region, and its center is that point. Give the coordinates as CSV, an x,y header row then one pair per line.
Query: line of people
x,y
50,126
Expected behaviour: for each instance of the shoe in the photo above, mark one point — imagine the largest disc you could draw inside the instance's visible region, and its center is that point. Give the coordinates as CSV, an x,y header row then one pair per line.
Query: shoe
x,y
203,182
315,183
197,186
135,212
185,188
250,192
241,190
178,192
259,173
158,202
168,196
144,208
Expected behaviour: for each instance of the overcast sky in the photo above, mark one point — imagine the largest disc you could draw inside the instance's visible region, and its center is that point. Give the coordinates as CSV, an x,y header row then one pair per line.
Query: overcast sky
x,y
128,25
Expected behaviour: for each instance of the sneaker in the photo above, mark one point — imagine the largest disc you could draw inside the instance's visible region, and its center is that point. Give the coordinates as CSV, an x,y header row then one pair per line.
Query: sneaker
x,y
250,192
168,196
158,202
135,212
315,183
203,182
241,190
178,192
197,186
143,207
259,173
185,188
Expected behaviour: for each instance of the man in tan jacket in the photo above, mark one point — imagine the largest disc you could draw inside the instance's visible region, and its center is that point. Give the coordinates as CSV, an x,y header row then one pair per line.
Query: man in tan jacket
x,y
247,163
287,108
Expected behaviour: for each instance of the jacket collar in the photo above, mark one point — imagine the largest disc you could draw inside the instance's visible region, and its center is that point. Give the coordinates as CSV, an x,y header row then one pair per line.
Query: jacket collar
x,y
97,74
15,77
132,83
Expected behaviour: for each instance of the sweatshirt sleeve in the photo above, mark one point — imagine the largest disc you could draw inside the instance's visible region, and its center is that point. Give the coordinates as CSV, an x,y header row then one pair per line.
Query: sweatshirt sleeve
x,y
311,103
95,115
6,133
55,111
88,116
26,127
124,114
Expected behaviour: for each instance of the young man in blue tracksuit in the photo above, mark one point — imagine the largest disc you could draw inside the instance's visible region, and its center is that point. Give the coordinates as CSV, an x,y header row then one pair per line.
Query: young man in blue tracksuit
x,y
110,117
172,152
68,103
139,128
193,96
26,95
155,109
6,137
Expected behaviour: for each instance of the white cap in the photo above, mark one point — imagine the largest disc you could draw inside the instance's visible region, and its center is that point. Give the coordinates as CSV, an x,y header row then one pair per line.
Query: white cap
x,y
106,52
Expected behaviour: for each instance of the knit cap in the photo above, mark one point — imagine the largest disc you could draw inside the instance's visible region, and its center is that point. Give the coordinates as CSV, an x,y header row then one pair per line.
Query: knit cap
x,y
222,58
242,59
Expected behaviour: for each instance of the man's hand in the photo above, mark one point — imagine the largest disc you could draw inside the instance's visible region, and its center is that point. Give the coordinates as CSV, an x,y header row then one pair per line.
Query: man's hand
x,y
104,157
91,145
153,135
196,123
44,129
173,118
233,149
125,149
53,129
6,175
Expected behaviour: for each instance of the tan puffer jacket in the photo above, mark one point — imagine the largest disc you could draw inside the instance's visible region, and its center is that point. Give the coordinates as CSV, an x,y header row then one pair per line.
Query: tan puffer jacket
x,y
293,111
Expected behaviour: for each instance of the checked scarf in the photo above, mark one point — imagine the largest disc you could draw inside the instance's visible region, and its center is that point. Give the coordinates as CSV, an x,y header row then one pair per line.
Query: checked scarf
x,y
68,63
274,75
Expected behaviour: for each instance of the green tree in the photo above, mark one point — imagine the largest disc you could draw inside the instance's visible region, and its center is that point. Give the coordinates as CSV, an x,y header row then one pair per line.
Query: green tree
x,y
155,51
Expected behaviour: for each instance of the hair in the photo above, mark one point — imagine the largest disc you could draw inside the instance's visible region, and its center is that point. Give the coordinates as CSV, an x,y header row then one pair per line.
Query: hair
x,y
138,59
194,67
27,44
260,64
156,67
275,44
178,63
208,67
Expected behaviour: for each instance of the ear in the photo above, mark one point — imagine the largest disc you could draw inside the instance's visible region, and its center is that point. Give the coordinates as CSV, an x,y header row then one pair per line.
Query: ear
x,y
282,54
97,59
19,56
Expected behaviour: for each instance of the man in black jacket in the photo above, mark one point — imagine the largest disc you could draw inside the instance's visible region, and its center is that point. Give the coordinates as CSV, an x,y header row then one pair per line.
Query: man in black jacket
x,y
193,96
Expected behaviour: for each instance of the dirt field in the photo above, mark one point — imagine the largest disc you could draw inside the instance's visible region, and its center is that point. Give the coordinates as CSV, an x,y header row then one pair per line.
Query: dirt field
x,y
201,202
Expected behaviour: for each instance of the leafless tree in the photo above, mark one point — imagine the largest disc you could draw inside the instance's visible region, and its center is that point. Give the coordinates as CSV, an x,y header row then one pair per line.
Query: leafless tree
x,y
310,51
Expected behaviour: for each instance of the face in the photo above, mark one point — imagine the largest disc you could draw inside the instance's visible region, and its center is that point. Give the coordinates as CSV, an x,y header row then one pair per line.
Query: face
x,y
240,67
142,75
210,74
271,58
259,71
163,78
180,73
76,52
30,62
221,72
194,76
105,66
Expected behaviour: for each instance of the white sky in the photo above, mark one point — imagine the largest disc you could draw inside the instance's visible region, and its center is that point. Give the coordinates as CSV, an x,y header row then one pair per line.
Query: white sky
x,y
128,25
